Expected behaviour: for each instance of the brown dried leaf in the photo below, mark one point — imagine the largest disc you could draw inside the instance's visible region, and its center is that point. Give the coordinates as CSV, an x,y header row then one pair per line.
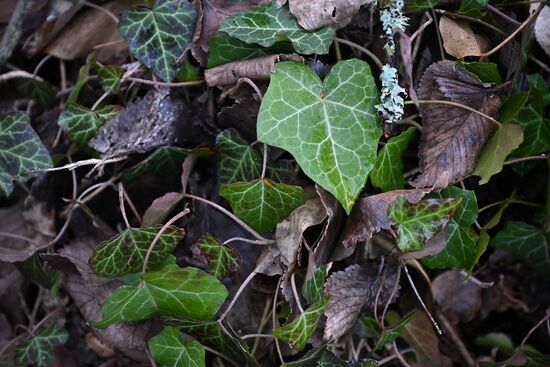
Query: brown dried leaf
x,y
158,211
458,296
255,69
369,215
354,288
459,40
314,14
269,262
452,137
331,231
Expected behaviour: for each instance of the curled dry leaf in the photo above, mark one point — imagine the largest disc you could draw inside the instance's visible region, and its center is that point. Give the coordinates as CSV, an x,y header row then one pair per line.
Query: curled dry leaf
x,y
255,69
331,229
542,27
452,137
458,296
314,14
354,288
459,40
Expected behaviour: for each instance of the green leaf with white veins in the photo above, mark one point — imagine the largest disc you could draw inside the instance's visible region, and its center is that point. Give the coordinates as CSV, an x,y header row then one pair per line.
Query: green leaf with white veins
x,y
331,127
158,37
39,350
169,350
387,173
222,259
269,24
171,291
237,161
81,124
262,204
109,77
124,253
22,154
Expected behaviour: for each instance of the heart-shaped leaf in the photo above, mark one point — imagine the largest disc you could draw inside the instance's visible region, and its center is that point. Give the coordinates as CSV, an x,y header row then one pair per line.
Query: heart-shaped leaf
x,y
109,77
81,123
22,154
222,259
238,161
262,204
536,131
329,127
171,291
163,161
158,37
168,350
124,253
269,24
39,350
313,289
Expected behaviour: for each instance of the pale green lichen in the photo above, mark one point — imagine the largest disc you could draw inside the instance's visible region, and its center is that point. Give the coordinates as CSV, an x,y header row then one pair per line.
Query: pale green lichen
x,y
391,101
393,20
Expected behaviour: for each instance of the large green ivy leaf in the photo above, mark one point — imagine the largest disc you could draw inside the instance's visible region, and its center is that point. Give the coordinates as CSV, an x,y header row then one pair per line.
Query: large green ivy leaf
x,y
39,350
222,259
171,291
331,127
536,131
212,335
124,253
238,161
461,247
158,37
313,289
224,49
81,124
300,329
22,154
168,350
527,242
269,24
419,222
387,173
262,204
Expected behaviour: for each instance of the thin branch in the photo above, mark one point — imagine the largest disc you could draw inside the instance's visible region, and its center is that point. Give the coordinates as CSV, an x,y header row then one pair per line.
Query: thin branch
x,y
372,56
121,204
19,74
542,321
274,320
434,323
102,9
132,206
85,162
471,19
504,16
247,240
456,339
460,105
399,356
236,296
525,159
295,292
164,84
250,336
19,237
264,162
100,99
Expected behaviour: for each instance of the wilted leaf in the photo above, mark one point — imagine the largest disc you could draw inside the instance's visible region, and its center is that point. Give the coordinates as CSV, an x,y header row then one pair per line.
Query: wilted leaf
x,y
262,204
354,288
390,334
335,148
222,259
238,161
163,161
313,289
300,329
171,291
22,154
169,350
268,24
452,137
458,296
491,159
158,37
124,253
387,173
459,40
527,242
39,350
81,124
161,207
314,14
109,77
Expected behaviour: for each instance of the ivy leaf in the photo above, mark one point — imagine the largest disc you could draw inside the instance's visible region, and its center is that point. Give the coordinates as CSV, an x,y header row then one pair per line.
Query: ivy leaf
x,y
321,357
536,132
171,291
418,5
486,71
417,223
387,173
158,37
527,242
39,350
168,350
164,161
269,24
314,288
225,49
299,330
238,161
124,253
109,77
329,127
223,260
41,91
491,159
22,154
81,123
473,8
262,204
212,335
389,335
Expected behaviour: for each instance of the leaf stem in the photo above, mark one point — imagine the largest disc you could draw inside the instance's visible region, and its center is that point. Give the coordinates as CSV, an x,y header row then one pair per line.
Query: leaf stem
x,y
264,163
434,323
372,56
236,296
121,204
525,159
295,292
511,201
164,84
460,105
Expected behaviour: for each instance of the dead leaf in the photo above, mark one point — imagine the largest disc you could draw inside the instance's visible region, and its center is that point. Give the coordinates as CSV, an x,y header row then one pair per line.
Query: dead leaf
x,y
369,215
269,262
458,296
452,137
255,69
542,27
161,207
332,227
314,14
147,123
354,288
459,40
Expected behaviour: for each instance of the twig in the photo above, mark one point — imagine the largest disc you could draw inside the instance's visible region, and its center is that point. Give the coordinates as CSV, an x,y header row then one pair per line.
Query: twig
x,y
242,80
454,337
471,19
439,39
264,163
85,162
394,290
236,296
247,240
460,105
100,99
394,356
19,74
250,336
274,320
542,321
19,237
164,84
121,204
372,56
504,16
525,159
100,8
295,292
511,201
263,322
132,206
434,323
399,356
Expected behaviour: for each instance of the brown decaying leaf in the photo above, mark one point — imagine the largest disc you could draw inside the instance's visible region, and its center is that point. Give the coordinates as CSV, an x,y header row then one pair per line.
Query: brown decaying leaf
x,y
147,123
331,231
314,14
459,40
458,296
354,288
158,211
369,215
255,69
452,137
